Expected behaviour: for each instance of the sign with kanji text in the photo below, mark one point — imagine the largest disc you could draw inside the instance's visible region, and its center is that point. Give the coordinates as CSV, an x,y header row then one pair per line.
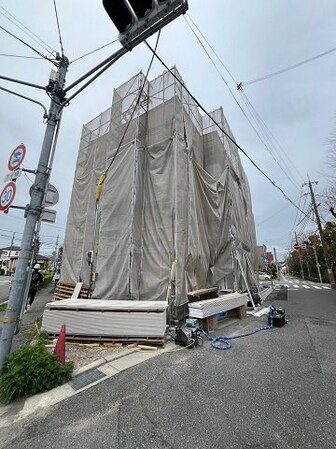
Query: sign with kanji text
x,y
13,175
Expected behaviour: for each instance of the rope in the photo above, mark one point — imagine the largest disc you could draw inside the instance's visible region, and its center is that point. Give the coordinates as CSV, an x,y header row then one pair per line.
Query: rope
x,y
222,343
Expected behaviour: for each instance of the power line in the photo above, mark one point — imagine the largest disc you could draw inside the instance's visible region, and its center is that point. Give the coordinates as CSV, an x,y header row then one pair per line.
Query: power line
x,y
58,28
21,56
269,135
286,69
249,106
25,43
26,30
93,51
273,215
137,101
222,130
212,49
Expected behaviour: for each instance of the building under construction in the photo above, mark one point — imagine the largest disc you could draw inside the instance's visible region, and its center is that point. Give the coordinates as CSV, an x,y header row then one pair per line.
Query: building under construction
x,y
173,213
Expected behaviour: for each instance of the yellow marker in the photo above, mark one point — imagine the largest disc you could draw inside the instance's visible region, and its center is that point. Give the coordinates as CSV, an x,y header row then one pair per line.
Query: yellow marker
x,y
100,186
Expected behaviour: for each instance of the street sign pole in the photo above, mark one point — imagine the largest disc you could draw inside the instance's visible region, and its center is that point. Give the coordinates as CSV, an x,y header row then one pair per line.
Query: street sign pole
x,y
33,212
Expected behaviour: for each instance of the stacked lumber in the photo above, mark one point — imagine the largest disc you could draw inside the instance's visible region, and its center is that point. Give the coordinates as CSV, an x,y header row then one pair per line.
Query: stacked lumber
x,y
202,294
65,291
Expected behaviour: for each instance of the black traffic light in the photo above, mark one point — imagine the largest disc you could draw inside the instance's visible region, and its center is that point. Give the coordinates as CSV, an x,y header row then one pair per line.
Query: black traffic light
x,y
142,8
119,14
138,19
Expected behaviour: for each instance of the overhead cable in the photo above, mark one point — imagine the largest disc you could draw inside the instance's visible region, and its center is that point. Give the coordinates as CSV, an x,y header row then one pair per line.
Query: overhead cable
x,y
58,28
27,31
273,141
222,130
25,43
240,107
93,51
136,103
20,56
286,69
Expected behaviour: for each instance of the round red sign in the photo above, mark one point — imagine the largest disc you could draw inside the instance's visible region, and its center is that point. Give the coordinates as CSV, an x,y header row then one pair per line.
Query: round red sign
x,y
7,196
296,246
16,158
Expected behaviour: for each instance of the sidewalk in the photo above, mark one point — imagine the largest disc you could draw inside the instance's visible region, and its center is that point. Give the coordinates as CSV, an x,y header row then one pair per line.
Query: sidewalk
x,y
43,296
101,369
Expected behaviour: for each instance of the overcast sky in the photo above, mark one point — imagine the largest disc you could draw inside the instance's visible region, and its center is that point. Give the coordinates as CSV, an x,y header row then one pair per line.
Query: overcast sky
x,y
252,38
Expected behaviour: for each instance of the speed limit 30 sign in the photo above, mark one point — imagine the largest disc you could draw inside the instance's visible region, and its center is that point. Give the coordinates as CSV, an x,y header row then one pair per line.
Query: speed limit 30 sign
x,y
7,196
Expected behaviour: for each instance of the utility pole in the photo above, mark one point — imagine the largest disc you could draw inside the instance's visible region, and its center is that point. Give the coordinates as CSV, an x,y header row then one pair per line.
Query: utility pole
x,y
33,210
300,258
317,263
12,242
134,28
55,257
276,263
324,245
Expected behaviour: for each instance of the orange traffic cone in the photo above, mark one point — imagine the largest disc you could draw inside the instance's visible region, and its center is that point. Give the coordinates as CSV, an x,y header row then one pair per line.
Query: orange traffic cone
x,y
59,350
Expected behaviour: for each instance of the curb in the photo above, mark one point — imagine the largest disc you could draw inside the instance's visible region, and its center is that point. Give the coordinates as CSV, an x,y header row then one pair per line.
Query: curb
x,y
109,366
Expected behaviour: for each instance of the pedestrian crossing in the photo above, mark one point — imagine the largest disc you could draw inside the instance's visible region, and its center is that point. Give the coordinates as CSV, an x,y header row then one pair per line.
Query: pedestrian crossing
x,y
295,285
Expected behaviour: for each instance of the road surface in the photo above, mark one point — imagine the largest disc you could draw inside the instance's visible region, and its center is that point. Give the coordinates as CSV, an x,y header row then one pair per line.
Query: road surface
x,y
274,389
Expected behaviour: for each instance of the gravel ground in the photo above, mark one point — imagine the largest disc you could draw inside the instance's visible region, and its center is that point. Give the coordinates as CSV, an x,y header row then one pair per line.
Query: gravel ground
x,y
83,354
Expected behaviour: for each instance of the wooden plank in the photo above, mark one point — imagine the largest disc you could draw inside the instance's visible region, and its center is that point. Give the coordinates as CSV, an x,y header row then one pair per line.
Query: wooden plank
x,y
76,290
203,291
64,291
124,340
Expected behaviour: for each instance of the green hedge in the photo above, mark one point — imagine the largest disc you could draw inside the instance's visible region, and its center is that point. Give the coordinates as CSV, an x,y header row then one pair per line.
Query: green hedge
x,y
31,370
47,279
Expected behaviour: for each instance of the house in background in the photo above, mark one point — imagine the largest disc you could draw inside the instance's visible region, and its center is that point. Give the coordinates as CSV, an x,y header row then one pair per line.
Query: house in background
x,y
9,256
265,258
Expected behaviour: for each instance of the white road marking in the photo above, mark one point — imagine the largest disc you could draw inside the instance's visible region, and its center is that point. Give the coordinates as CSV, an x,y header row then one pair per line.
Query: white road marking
x,y
323,286
305,286
315,286
296,286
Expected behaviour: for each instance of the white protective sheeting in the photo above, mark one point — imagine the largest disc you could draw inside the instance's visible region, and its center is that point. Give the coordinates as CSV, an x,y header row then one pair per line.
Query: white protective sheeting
x,y
176,191
106,318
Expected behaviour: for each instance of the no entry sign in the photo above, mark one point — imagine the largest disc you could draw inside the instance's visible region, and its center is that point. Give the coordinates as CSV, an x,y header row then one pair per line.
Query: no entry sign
x,y
7,196
16,158
296,246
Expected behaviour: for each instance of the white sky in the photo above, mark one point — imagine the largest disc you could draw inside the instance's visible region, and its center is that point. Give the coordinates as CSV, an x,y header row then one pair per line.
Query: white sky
x,y
252,38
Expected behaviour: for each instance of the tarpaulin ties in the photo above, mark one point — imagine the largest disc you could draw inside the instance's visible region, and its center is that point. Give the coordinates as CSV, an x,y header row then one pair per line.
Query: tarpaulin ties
x,y
100,186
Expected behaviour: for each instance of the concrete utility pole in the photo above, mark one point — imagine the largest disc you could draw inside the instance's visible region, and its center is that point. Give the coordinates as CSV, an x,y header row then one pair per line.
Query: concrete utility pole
x,y
300,258
276,263
324,245
33,210
317,263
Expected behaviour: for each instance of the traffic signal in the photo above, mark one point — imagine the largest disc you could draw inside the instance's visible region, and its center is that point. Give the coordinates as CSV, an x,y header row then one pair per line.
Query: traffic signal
x,y
138,19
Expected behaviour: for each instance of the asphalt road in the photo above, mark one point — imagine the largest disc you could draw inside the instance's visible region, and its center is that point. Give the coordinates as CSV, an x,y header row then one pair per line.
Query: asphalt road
x,y
274,389
5,283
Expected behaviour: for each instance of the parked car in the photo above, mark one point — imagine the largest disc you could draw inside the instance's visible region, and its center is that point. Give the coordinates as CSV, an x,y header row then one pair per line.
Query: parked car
x,y
264,277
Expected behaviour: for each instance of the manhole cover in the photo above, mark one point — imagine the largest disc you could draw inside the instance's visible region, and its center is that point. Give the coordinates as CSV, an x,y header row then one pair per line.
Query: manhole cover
x,y
85,379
